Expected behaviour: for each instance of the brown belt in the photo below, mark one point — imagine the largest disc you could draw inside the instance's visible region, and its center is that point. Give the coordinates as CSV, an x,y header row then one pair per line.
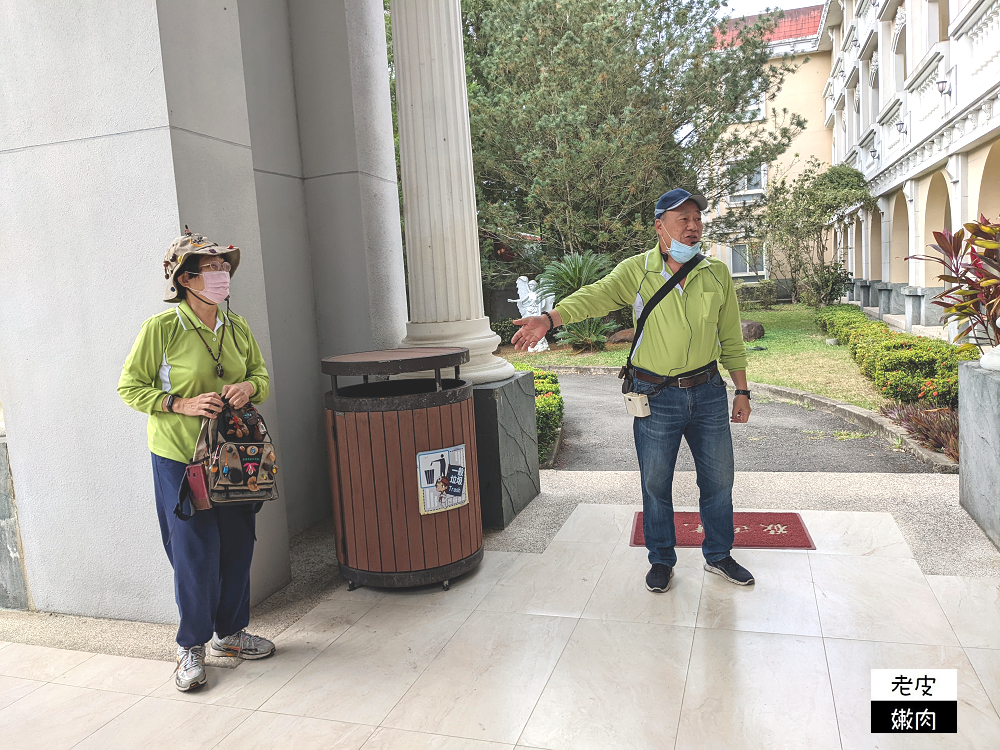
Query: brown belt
x,y
682,381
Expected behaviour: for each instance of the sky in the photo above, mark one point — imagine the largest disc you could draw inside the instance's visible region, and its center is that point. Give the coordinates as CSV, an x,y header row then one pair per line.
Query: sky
x,y
751,7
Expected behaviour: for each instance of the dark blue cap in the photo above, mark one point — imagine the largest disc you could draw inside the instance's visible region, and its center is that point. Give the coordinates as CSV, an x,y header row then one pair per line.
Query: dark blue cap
x,y
675,198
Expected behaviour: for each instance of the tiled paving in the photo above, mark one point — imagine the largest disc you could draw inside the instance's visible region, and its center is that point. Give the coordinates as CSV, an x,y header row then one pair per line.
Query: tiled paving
x,y
564,649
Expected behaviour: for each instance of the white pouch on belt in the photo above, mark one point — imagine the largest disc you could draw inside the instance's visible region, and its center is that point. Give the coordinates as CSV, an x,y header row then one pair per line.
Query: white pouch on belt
x,y
637,404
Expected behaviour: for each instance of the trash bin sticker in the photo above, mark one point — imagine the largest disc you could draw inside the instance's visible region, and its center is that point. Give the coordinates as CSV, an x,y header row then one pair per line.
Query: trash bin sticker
x,y
442,479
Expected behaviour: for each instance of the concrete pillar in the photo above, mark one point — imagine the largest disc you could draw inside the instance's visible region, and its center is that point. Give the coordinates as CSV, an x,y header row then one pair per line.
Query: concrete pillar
x,y
152,133
914,304
865,297
439,197
884,299
885,209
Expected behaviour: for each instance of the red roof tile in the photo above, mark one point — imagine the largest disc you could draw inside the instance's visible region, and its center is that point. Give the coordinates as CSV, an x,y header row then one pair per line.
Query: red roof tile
x,y
796,24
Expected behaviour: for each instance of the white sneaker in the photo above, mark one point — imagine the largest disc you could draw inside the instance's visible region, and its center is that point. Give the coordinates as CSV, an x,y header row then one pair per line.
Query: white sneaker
x,y
242,644
190,668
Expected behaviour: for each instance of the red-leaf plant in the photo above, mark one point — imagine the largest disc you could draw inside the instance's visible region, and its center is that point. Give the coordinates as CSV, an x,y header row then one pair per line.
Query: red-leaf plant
x,y
972,268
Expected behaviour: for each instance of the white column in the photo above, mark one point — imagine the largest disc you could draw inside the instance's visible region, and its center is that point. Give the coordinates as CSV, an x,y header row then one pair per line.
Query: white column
x,y
439,197
866,256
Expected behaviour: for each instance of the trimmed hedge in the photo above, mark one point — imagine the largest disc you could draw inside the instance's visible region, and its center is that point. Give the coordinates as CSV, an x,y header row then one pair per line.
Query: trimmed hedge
x,y
904,367
548,408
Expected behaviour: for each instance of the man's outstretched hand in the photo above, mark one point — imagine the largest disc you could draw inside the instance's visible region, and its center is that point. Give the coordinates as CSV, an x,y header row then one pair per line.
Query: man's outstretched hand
x,y
532,330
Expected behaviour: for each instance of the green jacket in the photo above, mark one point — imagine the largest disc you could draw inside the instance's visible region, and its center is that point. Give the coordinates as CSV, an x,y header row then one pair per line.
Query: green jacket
x,y
688,328
170,357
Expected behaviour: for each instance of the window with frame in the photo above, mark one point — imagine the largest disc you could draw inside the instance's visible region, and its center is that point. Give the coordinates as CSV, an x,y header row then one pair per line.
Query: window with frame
x,y
746,262
751,186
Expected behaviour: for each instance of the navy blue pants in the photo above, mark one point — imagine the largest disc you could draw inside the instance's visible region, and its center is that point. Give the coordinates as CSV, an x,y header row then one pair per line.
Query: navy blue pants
x,y
210,554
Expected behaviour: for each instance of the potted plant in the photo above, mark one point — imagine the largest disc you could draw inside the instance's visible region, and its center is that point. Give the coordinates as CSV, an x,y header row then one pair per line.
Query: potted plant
x,y
972,266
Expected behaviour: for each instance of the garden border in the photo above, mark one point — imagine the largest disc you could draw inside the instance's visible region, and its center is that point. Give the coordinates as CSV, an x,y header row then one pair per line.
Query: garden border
x,y
550,462
865,418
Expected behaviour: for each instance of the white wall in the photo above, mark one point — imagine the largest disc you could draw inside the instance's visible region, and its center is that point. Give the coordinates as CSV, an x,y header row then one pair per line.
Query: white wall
x,y
106,150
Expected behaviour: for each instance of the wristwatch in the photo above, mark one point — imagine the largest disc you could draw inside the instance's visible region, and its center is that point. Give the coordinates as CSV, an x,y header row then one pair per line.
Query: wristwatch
x,y
740,392
170,403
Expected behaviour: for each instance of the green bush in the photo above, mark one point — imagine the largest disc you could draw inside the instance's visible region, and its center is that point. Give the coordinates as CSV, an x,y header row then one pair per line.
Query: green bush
x,y
906,368
826,284
548,407
549,415
504,328
589,335
745,296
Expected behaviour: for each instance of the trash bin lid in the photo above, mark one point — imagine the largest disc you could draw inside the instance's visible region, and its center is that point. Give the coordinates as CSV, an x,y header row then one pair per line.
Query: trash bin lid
x,y
395,361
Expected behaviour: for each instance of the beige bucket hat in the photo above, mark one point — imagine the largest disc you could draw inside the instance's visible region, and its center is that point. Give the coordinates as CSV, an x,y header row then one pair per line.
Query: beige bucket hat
x,y
192,243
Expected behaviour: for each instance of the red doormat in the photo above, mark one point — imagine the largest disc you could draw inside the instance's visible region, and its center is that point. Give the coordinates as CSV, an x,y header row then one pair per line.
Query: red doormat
x,y
759,529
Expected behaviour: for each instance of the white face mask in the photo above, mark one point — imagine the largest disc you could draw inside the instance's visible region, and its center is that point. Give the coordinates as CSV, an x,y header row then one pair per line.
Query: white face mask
x,y
216,288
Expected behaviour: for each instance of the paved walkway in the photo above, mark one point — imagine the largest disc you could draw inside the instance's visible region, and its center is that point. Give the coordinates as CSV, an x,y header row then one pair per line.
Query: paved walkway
x,y
564,649
597,435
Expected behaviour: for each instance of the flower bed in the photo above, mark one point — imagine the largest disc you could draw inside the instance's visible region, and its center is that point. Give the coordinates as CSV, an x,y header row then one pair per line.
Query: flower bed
x,y
548,408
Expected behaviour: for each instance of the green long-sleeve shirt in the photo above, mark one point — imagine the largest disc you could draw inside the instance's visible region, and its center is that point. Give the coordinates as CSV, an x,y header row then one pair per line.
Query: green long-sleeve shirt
x,y
170,357
688,329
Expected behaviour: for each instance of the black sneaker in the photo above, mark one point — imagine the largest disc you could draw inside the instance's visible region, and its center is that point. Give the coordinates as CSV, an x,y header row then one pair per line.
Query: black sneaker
x,y
731,570
658,578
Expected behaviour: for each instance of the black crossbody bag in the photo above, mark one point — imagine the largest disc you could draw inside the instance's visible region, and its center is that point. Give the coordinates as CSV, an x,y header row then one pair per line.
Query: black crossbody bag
x,y
627,373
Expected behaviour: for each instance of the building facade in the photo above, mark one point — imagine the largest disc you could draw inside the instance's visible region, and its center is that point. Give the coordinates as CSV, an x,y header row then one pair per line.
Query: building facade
x,y
797,34
912,102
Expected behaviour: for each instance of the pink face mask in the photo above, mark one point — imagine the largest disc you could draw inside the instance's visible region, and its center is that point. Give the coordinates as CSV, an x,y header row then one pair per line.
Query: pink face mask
x,y
216,286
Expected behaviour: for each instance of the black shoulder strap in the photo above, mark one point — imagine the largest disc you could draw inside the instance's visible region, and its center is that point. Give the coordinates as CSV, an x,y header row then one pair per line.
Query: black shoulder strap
x,y
662,292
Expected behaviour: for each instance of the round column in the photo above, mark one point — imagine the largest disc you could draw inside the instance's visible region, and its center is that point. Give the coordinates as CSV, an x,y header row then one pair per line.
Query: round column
x,y
439,197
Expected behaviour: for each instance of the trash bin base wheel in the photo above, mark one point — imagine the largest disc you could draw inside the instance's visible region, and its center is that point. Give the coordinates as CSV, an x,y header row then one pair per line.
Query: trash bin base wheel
x,y
442,574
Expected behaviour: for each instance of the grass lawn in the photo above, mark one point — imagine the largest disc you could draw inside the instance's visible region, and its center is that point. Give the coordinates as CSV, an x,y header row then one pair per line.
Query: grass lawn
x,y
797,356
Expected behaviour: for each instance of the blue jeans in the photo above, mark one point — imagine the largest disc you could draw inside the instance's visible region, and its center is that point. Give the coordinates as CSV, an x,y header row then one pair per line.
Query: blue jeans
x,y
701,415
210,554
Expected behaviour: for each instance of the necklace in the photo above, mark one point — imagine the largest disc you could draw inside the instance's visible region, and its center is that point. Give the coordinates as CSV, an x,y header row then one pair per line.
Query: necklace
x,y
218,365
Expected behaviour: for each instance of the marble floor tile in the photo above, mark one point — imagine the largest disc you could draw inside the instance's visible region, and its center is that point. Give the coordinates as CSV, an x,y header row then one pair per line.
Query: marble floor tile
x,y
558,582
399,739
621,592
364,673
596,523
485,682
877,599
55,717
972,606
38,662
851,663
253,682
986,662
859,533
466,592
15,688
611,680
757,690
4,643
121,674
781,600
264,731
160,723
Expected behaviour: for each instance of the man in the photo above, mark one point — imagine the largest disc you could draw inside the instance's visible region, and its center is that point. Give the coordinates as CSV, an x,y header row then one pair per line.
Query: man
x,y
691,330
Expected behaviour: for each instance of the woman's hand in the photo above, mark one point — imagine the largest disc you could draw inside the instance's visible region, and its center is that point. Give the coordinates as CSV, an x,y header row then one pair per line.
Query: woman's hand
x,y
205,405
238,394
533,330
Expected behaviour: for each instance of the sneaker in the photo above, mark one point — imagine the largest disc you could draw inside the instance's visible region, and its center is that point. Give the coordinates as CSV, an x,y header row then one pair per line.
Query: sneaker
x,y
658,578
190,668
731,570
241,644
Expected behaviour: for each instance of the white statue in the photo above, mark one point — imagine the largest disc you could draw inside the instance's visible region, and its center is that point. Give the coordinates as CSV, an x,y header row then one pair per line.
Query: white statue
x,y
530,303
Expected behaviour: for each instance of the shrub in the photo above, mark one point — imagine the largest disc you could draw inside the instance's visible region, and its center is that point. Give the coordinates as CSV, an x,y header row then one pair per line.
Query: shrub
x,y
767,294
826,284
549,415
548,407
745,296
587,336
936,429
573,272
505,329
904,367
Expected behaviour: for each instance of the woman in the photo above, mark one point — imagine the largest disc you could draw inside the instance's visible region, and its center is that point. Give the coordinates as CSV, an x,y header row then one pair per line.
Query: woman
x,y
183,359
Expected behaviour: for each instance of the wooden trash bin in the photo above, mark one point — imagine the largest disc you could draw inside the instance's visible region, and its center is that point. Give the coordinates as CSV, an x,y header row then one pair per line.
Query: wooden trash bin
x,y
403,470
